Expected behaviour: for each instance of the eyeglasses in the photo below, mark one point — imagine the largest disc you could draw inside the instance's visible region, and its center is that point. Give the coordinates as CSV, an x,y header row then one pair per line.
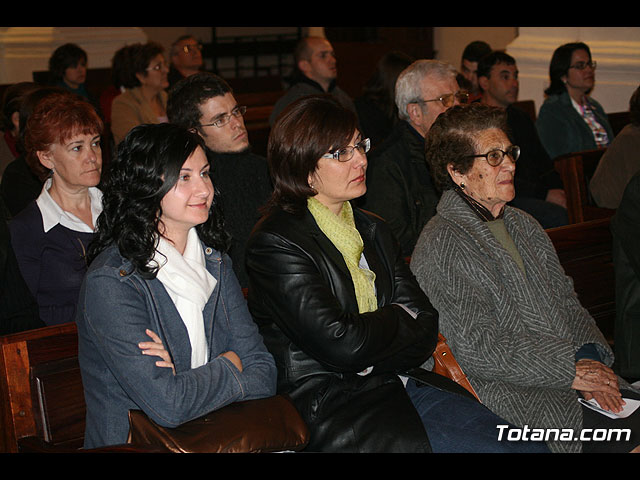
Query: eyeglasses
x,y
345,154
226,118
191,48
583,65
158,67
496,157
449,99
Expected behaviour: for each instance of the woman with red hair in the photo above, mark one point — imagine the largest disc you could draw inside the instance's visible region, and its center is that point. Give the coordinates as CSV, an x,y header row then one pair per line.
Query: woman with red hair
x,y
51,235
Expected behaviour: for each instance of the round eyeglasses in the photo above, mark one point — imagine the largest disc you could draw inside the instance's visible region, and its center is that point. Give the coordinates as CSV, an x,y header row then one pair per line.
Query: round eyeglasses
x,y
345,154
226,118
583,65
449,99
496,157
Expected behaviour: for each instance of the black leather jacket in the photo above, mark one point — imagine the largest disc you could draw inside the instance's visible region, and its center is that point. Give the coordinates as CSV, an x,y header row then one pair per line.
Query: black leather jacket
x,y
302,297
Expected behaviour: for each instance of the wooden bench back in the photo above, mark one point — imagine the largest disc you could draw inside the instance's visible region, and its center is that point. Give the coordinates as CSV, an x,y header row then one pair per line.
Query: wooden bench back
x,y
576,170
585,251
41,388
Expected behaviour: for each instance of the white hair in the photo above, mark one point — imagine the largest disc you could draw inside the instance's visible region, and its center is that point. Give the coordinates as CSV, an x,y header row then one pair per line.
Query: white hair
x,y
408,84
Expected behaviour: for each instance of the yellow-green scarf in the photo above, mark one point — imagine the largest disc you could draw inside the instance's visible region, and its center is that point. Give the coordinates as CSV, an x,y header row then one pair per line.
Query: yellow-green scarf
x,y
341,230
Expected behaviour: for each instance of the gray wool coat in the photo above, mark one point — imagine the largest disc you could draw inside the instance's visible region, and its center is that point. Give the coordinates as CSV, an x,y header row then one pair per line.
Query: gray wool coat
x,y
514,335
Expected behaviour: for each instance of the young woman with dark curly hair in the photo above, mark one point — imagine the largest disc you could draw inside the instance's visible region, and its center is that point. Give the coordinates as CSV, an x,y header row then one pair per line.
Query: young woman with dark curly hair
x,y
159,284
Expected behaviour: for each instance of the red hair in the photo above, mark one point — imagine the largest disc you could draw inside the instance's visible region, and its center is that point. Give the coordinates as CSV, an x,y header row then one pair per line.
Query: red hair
x,y
58,117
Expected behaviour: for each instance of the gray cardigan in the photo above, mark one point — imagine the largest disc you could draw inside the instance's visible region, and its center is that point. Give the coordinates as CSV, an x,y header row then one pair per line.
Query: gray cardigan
x,y
515,336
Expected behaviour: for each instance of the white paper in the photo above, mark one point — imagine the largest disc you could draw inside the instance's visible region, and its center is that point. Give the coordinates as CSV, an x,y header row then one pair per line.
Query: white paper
x,y
627,409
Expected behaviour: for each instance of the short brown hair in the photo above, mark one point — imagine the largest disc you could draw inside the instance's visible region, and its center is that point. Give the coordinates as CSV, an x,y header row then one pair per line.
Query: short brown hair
x,y
304,131
452,138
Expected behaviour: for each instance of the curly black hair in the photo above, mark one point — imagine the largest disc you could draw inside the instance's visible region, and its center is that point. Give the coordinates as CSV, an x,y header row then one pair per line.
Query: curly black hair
x,y
147,166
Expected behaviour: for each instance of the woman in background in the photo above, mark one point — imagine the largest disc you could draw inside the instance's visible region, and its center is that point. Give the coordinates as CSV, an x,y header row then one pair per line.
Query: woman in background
x,y
570,120
10,121
144,75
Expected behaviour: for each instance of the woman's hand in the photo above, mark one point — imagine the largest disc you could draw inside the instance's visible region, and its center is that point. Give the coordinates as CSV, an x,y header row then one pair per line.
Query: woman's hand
x,y
595,380
612,403
233,358
156,348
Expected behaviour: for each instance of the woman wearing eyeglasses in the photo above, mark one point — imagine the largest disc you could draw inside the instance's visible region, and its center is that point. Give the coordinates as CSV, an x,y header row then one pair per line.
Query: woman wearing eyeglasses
x,y
508,310
339,309
145,79
570,120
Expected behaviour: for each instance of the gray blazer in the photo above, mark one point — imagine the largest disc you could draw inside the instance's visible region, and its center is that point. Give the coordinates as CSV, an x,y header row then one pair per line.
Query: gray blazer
x,y
115,307
514,335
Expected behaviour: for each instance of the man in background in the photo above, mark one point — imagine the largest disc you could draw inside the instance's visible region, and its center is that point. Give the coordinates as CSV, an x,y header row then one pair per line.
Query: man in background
x,y
539,188
315,72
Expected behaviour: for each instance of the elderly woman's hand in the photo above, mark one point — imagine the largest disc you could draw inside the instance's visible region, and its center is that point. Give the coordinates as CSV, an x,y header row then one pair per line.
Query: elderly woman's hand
x,y
156,348
595,380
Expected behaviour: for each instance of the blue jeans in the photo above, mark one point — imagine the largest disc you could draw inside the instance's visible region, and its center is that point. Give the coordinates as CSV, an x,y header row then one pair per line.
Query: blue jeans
x,y
458,424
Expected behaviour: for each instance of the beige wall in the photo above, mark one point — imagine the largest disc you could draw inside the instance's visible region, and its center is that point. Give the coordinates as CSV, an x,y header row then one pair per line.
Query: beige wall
x,y
449,42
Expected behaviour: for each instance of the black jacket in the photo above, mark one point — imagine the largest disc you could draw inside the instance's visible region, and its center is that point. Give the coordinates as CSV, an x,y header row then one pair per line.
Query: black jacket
x,y
535,173
399,185
625,226
302,297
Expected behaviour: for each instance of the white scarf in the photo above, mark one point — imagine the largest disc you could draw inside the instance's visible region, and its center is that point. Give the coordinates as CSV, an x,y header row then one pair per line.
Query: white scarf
x,y
189,285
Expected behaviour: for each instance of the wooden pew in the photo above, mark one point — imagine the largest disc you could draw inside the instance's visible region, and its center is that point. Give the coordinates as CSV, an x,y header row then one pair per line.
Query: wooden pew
x,y
259,108
585,252
576,170
527,106
42,406
618,120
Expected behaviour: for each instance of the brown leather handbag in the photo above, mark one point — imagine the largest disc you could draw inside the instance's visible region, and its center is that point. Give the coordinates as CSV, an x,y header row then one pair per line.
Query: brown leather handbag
x,y
447,365
254,426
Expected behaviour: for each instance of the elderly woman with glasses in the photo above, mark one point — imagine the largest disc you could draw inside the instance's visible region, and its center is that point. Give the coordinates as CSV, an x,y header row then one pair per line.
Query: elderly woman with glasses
x,y
570,120
338,308
507,308
144,75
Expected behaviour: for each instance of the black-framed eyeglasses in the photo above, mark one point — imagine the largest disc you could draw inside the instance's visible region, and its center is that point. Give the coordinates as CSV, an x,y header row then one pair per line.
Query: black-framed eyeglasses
x,y
226,118
449,99
496,157
344,154
583,65
191,48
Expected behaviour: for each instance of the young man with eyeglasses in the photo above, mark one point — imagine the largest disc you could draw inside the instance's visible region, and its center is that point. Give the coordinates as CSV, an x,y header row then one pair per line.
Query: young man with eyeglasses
x,y
399,185
539,188
204,102
185,59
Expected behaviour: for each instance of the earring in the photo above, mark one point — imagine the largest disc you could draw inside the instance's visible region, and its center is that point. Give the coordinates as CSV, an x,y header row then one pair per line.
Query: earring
x,y
462,185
